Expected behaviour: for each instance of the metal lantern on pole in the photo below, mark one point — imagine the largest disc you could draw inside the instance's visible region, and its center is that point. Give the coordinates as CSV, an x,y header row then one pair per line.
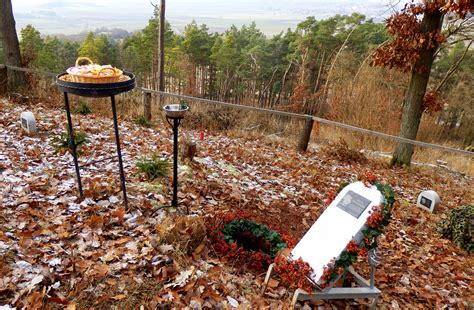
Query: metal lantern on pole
x,y
174,115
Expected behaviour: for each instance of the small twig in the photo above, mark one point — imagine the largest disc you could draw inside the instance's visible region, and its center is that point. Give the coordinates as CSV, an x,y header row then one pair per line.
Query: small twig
x,y
364,61
252,128
73,262
159,208
276,133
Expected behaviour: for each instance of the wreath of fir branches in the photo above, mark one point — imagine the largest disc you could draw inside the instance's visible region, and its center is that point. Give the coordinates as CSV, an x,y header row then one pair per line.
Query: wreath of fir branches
x,y
257,230
224,229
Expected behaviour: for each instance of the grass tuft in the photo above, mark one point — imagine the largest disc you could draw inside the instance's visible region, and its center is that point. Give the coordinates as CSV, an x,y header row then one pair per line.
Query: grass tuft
x,y
83,108
60,142
142,121
153,167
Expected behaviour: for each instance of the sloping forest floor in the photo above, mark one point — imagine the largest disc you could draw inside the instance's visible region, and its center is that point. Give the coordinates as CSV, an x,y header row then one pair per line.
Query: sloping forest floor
x,y
59,251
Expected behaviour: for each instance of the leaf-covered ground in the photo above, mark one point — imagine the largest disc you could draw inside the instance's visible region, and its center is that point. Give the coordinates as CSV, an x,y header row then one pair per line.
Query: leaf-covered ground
x,y
57,250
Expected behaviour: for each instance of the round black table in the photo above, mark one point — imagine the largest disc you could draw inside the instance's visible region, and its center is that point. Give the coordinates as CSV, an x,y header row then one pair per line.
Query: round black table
x,y
96,91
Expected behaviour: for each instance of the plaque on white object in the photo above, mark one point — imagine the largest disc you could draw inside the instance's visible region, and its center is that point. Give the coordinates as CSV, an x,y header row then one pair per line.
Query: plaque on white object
x,y
28,122
343,220
428,200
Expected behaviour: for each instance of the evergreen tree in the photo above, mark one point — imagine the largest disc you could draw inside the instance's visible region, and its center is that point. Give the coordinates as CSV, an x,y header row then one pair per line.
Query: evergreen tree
x,y
30,45
94,48
49,57
197,43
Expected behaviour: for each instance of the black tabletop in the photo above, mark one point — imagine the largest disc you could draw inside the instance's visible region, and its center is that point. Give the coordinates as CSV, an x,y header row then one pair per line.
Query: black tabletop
x,y
96,90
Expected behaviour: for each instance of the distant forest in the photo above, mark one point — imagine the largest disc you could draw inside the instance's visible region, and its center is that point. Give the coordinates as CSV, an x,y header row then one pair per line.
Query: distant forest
x,y
240,65
321,68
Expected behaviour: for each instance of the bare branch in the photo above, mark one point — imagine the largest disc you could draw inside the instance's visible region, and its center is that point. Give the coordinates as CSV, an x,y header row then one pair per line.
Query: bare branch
x,y
460,28
453,67
335,59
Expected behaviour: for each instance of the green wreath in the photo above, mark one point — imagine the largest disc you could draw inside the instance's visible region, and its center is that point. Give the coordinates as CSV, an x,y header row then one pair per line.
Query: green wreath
x,y
249,235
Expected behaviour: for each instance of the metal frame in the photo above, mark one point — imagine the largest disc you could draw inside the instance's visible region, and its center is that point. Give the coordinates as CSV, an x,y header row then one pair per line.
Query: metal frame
x,y
73,148
367,288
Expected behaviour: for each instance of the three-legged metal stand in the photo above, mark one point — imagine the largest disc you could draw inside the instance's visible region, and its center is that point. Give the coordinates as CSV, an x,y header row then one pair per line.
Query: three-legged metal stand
x,y
73,148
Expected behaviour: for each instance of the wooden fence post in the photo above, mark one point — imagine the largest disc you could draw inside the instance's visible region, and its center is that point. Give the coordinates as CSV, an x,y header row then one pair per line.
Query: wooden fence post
x,y
306,134
3,79
147,106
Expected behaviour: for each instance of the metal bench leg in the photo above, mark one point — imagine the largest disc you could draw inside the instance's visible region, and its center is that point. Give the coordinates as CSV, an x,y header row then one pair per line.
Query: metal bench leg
x,y
373,306
295,298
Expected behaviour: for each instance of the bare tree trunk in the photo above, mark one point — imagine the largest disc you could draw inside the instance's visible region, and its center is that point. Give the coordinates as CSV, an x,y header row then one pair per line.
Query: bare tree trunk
x,y
253,91
420,76
325,90
267,89
212,83
318,79
11,45
283,81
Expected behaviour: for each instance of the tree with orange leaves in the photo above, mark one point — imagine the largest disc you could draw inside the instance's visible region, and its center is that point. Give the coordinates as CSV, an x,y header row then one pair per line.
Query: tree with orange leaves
x,y
412,49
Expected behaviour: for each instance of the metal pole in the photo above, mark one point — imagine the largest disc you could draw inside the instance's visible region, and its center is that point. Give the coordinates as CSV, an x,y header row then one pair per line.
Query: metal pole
x,y
174,203
372,276
119,152
374,259
72,144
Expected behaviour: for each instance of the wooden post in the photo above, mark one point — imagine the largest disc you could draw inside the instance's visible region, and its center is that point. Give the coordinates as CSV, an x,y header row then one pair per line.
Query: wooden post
x,y
147,106
306,134
161,48
3,79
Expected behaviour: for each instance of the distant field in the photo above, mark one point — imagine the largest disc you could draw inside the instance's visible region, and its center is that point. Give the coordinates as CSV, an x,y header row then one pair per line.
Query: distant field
x,y
64,17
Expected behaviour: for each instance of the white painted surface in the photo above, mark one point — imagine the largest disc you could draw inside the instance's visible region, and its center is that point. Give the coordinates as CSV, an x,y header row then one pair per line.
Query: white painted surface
x,y
333,230
428,200
28,122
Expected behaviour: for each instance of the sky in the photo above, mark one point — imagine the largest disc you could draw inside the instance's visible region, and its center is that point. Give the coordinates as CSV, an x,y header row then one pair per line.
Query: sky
x,y
271,16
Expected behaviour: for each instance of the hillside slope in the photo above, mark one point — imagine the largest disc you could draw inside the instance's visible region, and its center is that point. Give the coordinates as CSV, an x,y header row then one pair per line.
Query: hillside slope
x,y
57,250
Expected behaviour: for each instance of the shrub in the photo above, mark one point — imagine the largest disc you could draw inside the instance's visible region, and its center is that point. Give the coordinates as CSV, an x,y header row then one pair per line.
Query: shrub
x,y
213,118
60,142
342,152
171,229
83,108
459,227
142,121
153,167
